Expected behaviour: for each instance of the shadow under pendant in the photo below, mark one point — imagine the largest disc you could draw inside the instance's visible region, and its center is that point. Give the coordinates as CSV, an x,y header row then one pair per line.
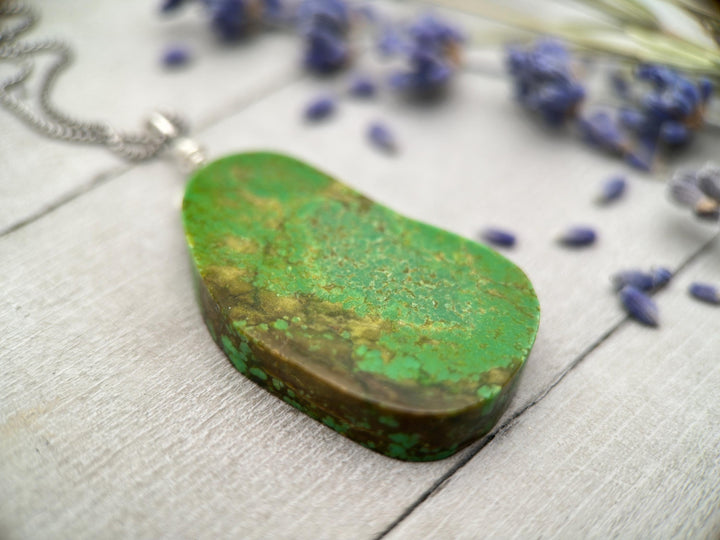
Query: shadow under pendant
x,y
401,336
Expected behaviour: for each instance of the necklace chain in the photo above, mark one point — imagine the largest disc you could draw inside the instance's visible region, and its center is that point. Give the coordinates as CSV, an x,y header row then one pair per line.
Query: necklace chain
x,y
45,118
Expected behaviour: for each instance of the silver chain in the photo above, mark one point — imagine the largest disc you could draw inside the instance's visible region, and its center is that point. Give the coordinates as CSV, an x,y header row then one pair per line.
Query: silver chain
x,y
17,18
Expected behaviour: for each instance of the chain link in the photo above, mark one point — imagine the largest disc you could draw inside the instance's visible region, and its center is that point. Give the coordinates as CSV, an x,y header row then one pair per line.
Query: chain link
x,y
47,119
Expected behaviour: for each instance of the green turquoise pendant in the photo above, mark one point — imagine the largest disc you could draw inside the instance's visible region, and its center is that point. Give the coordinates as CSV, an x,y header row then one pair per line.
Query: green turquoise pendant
x,y
403,337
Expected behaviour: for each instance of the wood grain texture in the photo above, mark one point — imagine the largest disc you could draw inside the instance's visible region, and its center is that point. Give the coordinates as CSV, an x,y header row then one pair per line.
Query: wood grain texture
x,y
117,78
627,447
121,418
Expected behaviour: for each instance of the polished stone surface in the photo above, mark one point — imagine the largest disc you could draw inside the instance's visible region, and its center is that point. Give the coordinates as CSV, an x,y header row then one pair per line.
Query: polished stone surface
x,y
403,337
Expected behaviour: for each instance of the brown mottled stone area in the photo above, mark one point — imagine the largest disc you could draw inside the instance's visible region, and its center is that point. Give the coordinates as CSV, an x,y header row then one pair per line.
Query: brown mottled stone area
x,y
405,338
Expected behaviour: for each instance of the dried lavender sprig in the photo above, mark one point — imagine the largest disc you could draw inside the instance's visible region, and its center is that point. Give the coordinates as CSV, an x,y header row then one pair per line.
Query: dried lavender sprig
x,y
544,82
600,129
640,306
431,48
705,292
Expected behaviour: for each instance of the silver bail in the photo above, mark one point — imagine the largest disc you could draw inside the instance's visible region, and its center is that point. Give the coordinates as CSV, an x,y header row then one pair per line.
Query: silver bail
x,y
187,153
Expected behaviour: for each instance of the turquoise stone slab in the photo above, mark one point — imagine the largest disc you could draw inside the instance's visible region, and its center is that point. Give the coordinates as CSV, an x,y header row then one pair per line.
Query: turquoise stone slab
x,y
401,336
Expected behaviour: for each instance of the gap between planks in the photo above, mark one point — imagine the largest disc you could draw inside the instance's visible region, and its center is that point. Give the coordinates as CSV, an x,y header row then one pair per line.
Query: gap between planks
x,y
506,426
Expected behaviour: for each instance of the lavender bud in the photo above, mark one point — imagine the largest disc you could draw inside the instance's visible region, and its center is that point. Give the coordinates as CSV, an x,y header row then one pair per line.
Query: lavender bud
x,y
602,130
325,51
706,89
362,86
674,133
432,49
320,108
635,278
631,119
498,237
176,56
578,237
639,306
642,161
705,292
166,6
381,136
612,190
544,82
661,276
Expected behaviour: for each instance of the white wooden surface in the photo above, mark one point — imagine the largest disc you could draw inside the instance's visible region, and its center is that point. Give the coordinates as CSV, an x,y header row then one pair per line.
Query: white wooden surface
x,y
120,417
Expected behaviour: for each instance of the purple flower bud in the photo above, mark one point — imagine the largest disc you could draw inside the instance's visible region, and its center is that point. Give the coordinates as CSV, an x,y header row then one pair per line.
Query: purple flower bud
x,y
232,19
639,306
674,133
325,25
544,82
498,237
612,189
320,108
661,276
381,136
362,86
706,89
325,51
660,76
391,42
635,278
705,292
631,119
176,56
640,160
578,237
166,6
432,50
602,130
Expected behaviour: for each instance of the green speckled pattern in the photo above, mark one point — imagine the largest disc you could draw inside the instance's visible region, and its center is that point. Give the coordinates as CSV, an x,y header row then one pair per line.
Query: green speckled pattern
x,y
405,338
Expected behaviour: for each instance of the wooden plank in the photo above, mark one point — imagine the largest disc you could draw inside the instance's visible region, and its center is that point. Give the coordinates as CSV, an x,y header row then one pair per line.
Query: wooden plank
x,y
121,418
628,446
117,78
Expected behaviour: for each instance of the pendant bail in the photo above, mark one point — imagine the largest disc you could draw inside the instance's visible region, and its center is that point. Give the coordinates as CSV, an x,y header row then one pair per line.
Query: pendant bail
x,y
187,153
